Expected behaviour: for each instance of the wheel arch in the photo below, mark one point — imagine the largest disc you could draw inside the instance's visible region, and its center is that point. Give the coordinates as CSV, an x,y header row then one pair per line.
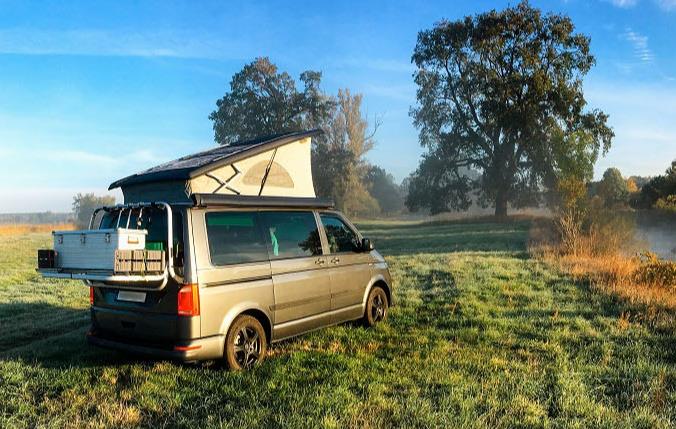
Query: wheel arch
x,y
263,319
253,310
378,281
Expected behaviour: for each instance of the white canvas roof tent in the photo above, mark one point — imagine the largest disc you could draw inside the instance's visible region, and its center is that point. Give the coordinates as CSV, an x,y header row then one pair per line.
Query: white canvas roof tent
x,y
272,171
273,166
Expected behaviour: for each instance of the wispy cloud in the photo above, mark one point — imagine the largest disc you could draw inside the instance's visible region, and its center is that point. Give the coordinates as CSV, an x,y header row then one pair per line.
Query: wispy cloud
x,y
404,92
645,134
637,99
377,64
80,157
623,3
141,156
667,5
93,42
639,44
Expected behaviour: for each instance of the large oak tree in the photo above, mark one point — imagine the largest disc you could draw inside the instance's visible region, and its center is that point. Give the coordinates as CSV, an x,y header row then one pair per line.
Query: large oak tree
x,y
500,93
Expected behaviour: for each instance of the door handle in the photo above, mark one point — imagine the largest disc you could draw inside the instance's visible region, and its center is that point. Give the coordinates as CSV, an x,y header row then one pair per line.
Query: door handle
x,y
320,261
335,260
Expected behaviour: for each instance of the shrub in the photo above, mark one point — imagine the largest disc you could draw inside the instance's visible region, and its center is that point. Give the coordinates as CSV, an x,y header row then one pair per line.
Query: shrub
x,y
655,271
588,228
667,203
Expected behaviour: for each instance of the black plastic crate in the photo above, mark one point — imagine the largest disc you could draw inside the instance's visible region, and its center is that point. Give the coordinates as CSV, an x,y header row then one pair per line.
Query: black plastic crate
x,y
46,258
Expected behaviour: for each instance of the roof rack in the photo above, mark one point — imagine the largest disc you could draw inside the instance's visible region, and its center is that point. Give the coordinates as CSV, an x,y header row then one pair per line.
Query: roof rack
x,y
220,200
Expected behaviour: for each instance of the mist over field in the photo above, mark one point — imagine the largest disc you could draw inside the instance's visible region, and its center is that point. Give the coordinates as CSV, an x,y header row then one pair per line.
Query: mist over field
x,y
658,231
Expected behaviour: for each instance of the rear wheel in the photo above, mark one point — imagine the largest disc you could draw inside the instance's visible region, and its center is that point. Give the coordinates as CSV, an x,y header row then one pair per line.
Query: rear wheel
x,y
376,307
245,344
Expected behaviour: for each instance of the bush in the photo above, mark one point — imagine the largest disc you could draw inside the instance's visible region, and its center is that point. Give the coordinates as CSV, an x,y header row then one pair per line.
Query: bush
x,y
667,203
586,227
655,271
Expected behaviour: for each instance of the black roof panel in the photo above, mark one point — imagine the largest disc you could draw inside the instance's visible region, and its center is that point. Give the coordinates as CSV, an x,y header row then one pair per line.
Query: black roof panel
x,y
193,165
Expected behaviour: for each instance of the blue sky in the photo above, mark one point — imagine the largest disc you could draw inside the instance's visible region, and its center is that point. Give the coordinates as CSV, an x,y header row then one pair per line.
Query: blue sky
x,y
94,91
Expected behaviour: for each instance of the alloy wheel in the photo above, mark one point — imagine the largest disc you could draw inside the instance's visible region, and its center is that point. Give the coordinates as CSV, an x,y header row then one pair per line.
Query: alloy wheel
x,y
247,347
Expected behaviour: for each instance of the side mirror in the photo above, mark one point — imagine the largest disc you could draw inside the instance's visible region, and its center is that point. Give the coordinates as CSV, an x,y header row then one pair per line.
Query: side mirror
x,y
366,245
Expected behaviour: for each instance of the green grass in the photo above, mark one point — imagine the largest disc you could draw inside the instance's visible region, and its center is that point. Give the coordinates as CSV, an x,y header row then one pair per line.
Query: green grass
x,y
482,336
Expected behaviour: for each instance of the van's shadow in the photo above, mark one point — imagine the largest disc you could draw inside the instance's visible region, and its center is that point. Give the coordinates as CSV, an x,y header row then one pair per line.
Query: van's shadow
x,y
52,336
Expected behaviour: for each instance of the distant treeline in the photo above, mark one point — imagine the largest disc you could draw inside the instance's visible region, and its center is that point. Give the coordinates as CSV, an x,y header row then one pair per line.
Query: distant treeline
x,y
35,218
616,191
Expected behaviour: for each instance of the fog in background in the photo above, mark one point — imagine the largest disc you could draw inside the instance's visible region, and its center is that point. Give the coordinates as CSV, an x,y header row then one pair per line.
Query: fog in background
x,y
658,230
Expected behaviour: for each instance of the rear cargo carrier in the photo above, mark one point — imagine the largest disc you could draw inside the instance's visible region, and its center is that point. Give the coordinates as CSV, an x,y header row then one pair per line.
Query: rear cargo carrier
x,y
270,171
113,256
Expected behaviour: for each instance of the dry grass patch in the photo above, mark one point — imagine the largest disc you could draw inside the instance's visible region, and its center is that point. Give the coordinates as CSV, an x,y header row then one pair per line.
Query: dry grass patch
x,y
628,277
643,280
25,228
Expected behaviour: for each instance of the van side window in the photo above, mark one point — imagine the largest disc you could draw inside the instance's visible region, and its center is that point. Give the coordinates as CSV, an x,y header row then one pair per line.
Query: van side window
x,y
235,238
340,237
291,234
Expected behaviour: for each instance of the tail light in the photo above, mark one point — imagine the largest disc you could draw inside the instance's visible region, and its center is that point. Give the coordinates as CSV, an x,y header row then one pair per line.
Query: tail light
x,y
189,300
91,295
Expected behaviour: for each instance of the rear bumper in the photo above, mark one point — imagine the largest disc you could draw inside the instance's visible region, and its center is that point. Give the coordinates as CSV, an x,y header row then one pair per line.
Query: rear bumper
x,y
185,351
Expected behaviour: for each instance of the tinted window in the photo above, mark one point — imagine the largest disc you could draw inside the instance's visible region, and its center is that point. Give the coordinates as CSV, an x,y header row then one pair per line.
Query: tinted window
x,y
340,237
153,220
235,238
291,234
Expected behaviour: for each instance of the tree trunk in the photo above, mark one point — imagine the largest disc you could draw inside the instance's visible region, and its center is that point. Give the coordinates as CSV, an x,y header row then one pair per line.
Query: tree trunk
x,y
501,205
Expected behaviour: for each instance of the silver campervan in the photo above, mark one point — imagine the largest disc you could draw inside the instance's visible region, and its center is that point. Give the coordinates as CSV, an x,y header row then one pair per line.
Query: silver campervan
x,y
217,254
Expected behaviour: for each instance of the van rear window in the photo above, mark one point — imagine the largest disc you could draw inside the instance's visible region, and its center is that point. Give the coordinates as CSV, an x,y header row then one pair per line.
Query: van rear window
x,y
235,238
153,220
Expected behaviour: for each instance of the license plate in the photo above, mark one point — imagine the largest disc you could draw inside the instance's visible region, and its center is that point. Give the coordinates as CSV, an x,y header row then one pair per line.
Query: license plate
x,y
127,295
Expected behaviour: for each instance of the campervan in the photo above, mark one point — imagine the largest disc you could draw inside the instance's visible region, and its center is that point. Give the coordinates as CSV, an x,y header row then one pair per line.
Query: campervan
x,y
218,254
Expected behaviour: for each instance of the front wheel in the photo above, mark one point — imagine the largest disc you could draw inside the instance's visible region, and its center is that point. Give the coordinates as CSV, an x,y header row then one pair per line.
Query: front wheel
x,y
376,307
245,344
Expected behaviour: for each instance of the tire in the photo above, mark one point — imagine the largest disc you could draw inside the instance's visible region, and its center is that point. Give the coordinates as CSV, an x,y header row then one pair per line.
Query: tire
x,y
376,307
245,344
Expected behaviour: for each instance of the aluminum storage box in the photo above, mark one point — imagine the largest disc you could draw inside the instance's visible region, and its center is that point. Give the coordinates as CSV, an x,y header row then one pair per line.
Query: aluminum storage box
x,y
95,249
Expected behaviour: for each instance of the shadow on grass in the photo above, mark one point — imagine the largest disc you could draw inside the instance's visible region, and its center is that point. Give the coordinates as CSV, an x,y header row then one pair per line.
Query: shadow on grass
x,y
22,323
582,315
439,294
53,337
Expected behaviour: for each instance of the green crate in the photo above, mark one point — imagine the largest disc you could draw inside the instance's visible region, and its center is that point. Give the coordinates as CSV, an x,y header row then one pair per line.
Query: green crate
x,y
154,245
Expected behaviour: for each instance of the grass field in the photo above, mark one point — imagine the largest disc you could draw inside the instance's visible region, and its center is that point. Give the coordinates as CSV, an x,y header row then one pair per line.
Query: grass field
x,y
482,336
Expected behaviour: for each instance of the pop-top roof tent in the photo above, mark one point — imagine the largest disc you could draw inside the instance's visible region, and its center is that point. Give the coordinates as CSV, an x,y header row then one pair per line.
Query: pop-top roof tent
x,y
264,168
